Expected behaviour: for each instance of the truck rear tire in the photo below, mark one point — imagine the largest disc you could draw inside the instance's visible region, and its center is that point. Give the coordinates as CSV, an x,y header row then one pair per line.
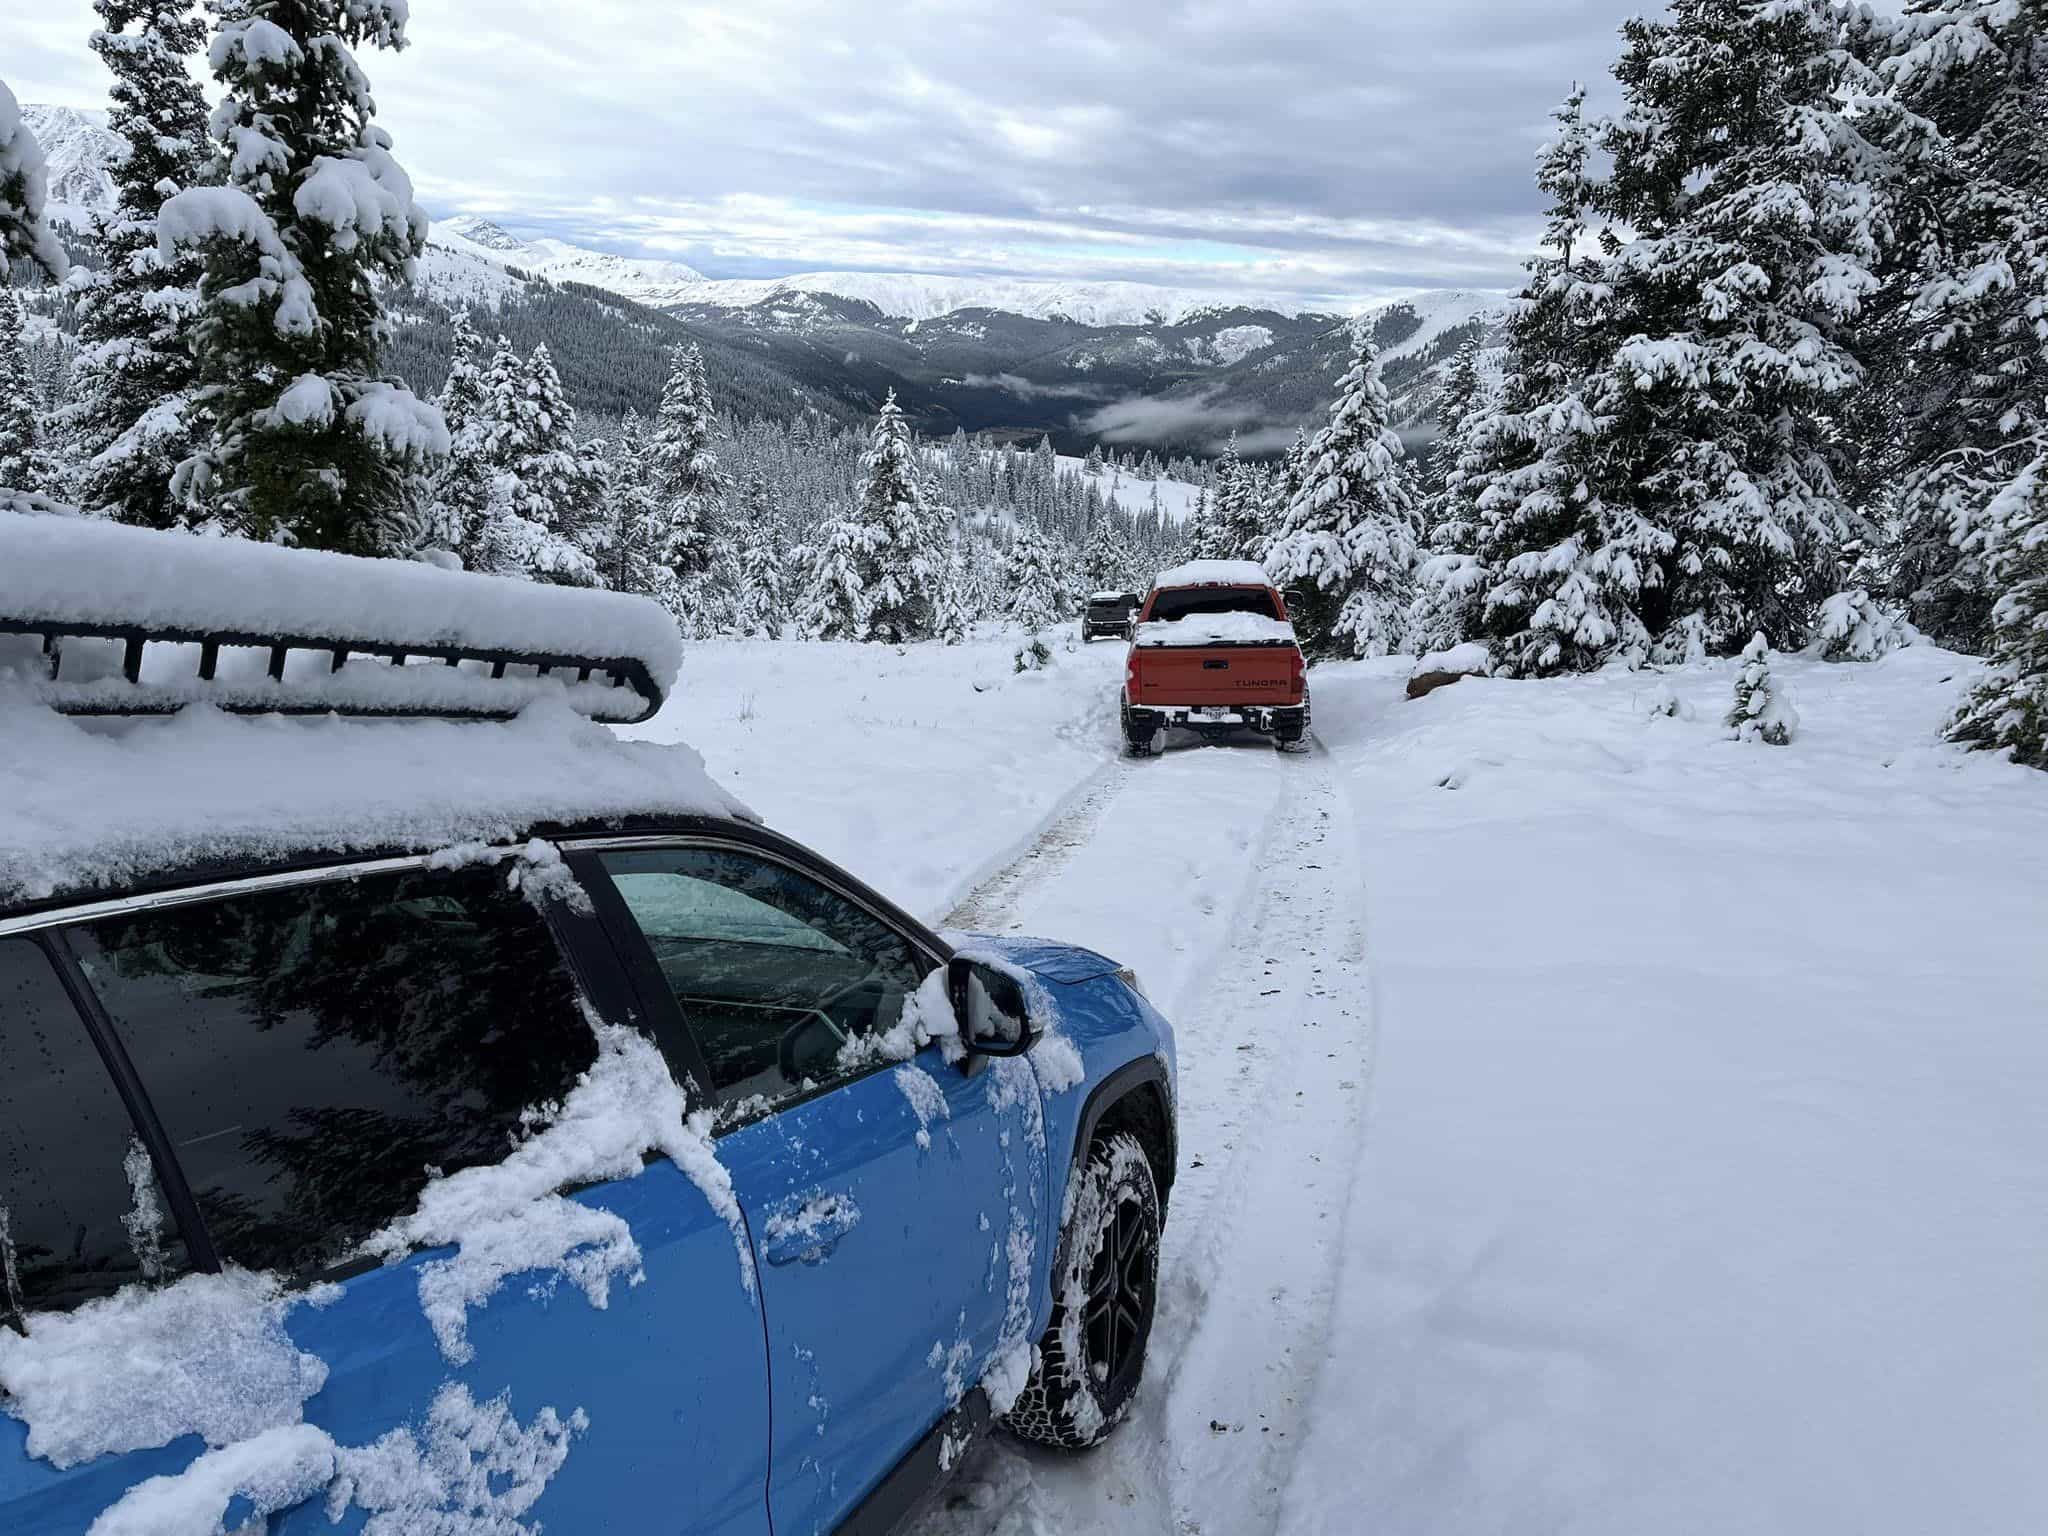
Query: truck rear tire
x,y
1142,734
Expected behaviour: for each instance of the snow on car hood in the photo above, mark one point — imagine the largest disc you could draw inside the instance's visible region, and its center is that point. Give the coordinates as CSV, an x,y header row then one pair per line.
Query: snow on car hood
x,y
1065,963
1217,629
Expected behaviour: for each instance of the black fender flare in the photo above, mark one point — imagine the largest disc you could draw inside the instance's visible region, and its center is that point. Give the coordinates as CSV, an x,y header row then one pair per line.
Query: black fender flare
x,y
1106,1095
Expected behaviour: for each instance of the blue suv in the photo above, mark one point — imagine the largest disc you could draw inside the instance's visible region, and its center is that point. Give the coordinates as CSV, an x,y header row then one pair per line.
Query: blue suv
x,y
920,1188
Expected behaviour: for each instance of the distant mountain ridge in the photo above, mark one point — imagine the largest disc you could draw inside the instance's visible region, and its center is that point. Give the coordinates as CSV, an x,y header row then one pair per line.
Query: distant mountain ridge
x,y
910,296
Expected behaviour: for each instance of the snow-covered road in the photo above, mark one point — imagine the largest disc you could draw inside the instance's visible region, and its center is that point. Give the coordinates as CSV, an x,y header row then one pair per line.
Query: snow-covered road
x,y
1229,879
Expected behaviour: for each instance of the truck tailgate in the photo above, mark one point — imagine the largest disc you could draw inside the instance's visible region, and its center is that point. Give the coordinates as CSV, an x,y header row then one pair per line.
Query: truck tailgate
x,y
1215,676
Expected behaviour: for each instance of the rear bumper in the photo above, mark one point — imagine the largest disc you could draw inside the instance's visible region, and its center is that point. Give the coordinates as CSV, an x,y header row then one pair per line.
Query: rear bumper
x,y
1143,719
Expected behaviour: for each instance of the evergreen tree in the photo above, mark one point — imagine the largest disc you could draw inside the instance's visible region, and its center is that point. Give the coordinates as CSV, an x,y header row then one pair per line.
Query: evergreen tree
x,y
900,566
310,444
1460,394
1033,574
1108,562
23,464
1347,545
1976,276
635,561
462,489
688,485
835,603
136,372
24,187
1758,201
540,516
1240,513
2008,711
1854,626
764,561
1760,711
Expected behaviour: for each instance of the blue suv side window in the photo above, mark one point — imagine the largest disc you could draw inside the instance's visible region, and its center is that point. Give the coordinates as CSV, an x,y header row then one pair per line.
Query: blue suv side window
x,y
775,971
80,1215
316,1053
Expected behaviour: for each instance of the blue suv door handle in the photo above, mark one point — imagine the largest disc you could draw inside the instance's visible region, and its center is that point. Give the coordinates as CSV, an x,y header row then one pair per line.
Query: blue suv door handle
x,y
806,1230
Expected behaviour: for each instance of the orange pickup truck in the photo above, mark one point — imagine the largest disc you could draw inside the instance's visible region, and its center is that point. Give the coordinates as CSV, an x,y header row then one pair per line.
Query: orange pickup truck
x,y
1213,651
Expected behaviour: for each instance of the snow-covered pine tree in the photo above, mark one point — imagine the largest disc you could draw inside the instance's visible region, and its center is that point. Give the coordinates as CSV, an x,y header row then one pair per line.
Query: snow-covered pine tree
x,y
1754,166
1460,394
136,374
462,487
1240,513
24,188
2009,710
310,444
1761,712
635,561
1092,465
1107,559
1533,559
764,561
835,603
23,464
1033,574
1977,71
540,518
900,566
688,485
1347,546
1856,626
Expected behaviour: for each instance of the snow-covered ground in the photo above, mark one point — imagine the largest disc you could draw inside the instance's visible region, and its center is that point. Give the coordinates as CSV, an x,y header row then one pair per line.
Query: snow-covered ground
x,y
921,768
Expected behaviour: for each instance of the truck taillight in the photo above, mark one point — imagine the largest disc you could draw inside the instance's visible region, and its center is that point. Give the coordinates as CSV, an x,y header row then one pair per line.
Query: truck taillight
x,y
1131,676
1297,673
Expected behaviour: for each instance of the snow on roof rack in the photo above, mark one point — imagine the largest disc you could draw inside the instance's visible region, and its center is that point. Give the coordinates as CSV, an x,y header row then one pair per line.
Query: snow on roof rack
x,y
113,620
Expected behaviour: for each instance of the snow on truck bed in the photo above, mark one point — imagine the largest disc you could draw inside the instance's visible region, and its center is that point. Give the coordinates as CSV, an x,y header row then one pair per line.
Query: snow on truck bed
x,y
1216,629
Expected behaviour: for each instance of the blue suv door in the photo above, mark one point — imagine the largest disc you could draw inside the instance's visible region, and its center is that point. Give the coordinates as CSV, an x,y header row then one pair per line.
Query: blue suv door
x,y
314,1055
896,1206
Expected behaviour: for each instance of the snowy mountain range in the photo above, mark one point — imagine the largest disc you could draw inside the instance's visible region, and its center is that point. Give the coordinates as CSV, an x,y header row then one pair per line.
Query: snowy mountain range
x,y
79,148
1126,363
911,296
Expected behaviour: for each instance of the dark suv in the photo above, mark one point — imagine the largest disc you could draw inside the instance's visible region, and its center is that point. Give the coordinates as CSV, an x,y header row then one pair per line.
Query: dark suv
x,y
1108,615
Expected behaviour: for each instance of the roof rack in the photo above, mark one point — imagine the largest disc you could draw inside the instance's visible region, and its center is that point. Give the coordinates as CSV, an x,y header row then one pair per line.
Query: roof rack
x,y
130,621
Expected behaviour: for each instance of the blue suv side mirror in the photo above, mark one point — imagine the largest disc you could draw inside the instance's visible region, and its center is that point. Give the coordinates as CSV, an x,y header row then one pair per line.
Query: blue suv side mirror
x,y
995,1016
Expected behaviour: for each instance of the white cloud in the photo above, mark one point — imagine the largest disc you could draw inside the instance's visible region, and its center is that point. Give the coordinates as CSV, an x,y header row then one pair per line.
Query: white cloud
x,y
1307,147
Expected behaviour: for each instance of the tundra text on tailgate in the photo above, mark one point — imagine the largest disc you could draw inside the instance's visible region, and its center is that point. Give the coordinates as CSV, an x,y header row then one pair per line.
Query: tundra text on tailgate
x,y
1213,651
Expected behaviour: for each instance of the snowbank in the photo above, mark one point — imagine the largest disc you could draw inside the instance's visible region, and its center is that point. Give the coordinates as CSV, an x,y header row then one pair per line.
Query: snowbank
x,y
84,805
1703,1176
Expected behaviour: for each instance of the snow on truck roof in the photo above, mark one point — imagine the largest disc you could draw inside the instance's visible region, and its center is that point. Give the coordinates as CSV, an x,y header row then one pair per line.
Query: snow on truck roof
x,y
1214,573
92,805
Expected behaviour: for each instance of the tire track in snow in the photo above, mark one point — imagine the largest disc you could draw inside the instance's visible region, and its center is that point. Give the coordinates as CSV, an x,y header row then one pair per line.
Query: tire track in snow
x,y
993,905
1274,1041
1274,1104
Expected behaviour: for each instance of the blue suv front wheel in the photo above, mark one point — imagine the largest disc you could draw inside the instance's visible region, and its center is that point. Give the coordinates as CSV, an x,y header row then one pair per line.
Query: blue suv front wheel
x,y
1106,1290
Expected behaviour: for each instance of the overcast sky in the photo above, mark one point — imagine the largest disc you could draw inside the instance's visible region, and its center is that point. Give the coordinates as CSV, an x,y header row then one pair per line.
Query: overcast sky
x,y
1335,150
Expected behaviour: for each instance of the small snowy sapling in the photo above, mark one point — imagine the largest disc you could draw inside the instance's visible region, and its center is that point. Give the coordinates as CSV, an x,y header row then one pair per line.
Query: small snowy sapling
x,y
1761,712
